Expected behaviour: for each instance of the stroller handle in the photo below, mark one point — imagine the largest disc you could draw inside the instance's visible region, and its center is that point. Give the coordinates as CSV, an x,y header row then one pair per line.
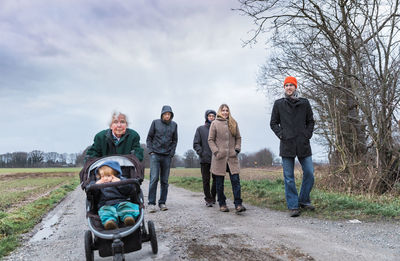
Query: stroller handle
x,y
94,187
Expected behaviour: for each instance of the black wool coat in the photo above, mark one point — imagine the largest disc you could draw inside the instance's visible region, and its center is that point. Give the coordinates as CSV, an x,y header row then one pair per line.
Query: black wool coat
x,y
293,122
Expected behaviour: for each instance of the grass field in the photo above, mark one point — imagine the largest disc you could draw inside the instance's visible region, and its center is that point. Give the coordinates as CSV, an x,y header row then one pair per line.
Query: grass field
x,y
265,188
25,196
37,170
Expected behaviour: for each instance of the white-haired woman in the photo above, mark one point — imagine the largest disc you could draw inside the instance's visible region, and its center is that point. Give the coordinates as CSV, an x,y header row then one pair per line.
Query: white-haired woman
x,y
118,139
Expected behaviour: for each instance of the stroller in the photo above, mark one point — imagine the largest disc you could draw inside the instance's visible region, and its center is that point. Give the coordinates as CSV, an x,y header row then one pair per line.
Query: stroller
x,y
124,239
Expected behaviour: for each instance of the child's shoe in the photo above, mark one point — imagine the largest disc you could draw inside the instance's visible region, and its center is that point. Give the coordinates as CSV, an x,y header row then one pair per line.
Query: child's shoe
x,y
110,224
129,221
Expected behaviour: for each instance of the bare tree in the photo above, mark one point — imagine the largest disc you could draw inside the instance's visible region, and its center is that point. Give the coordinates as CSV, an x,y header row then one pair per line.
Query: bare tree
x,y
80,157
51,158
261,158
264,158
36,157
347,57
177,161
6,160
191,159
19,159
244,160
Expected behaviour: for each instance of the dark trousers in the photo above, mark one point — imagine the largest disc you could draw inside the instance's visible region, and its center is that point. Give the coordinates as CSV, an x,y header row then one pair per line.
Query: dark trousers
x,y
236,189
209,195
159,169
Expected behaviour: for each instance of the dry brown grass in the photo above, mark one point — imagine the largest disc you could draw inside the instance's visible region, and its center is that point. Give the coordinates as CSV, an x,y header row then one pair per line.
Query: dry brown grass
x,y
272,173
19,189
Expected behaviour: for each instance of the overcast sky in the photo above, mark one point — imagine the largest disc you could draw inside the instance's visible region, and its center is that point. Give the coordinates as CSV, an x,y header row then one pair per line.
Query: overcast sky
x,y
66,65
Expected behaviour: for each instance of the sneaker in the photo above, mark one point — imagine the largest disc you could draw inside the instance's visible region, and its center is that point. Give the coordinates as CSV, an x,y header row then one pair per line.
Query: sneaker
x,y
224,208
110,224
129,221
240,208
152,208
294,212
307,207
163,207
209,204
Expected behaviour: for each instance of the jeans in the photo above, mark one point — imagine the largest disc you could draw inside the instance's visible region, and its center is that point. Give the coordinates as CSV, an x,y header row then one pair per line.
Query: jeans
x,y
235,182
209,195
293,200
159,169
118,211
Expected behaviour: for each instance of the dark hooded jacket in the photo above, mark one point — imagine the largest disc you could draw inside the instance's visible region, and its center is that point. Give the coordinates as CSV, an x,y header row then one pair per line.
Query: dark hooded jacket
x,y
200,141
117,194
292,121
163,136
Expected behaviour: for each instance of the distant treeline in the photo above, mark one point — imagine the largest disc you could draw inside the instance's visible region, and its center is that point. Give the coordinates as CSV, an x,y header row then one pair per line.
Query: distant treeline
x,y
261,158
38,158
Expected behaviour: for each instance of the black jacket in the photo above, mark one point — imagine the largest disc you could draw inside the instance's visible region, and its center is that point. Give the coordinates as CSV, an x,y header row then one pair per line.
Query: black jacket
x,y
200,141
293,123
163,136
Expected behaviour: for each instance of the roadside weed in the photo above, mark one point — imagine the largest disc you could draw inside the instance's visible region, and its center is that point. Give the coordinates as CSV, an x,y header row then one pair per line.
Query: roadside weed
x,y
270,193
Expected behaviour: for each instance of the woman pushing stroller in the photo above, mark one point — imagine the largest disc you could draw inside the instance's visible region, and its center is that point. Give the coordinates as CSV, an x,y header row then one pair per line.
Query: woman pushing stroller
x,y
118,139
115,211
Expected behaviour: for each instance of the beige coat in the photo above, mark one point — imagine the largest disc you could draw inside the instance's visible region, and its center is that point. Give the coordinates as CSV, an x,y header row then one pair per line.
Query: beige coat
x,y
223,146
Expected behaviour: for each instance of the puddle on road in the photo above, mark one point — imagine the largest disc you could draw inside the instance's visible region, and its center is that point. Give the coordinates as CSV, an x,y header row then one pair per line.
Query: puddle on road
x,y
46,230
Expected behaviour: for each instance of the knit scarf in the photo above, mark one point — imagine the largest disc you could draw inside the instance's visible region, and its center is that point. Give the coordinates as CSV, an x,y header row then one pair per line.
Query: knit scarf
x,y
294,96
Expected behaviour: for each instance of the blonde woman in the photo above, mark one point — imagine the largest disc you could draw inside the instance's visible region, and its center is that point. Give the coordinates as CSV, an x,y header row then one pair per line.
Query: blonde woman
x,y
225,143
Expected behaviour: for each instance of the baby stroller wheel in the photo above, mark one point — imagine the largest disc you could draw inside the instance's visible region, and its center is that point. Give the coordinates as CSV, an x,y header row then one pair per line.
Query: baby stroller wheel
x,y
88,246
153,237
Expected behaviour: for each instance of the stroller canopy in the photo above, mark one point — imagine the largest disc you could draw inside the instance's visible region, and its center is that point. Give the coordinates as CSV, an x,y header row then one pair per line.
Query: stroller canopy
x,y
130,165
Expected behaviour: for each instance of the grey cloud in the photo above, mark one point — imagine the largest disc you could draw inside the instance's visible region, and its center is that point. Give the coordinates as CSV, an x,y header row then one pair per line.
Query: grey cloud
x,y
78,60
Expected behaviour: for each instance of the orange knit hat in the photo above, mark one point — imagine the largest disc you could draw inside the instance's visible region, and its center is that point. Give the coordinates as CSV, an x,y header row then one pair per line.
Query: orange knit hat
x,y
290,79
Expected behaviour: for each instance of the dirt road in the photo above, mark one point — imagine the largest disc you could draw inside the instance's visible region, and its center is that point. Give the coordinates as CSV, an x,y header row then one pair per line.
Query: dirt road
x,y
191,231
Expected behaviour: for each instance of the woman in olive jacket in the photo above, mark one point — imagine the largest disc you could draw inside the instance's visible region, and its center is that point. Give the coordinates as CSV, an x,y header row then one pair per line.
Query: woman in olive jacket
x,y
225,143
118,139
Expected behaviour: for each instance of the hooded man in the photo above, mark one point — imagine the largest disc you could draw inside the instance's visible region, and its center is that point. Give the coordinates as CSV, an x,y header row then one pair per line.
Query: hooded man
x,y
293,123
200,145
161,143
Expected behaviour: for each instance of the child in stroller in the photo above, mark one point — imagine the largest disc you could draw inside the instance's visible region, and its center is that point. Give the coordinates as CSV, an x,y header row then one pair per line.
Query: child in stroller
x,y
126,237
113,204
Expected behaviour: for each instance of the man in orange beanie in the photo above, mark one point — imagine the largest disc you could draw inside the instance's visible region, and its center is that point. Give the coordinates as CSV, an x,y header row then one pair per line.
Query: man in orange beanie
x,y
290,79
293,123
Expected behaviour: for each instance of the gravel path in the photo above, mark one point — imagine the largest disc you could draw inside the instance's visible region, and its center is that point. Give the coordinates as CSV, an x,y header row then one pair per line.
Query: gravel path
x,y
191,231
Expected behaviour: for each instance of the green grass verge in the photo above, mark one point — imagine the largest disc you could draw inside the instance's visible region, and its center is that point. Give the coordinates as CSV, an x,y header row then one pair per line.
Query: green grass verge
x,y
23,219
333,206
